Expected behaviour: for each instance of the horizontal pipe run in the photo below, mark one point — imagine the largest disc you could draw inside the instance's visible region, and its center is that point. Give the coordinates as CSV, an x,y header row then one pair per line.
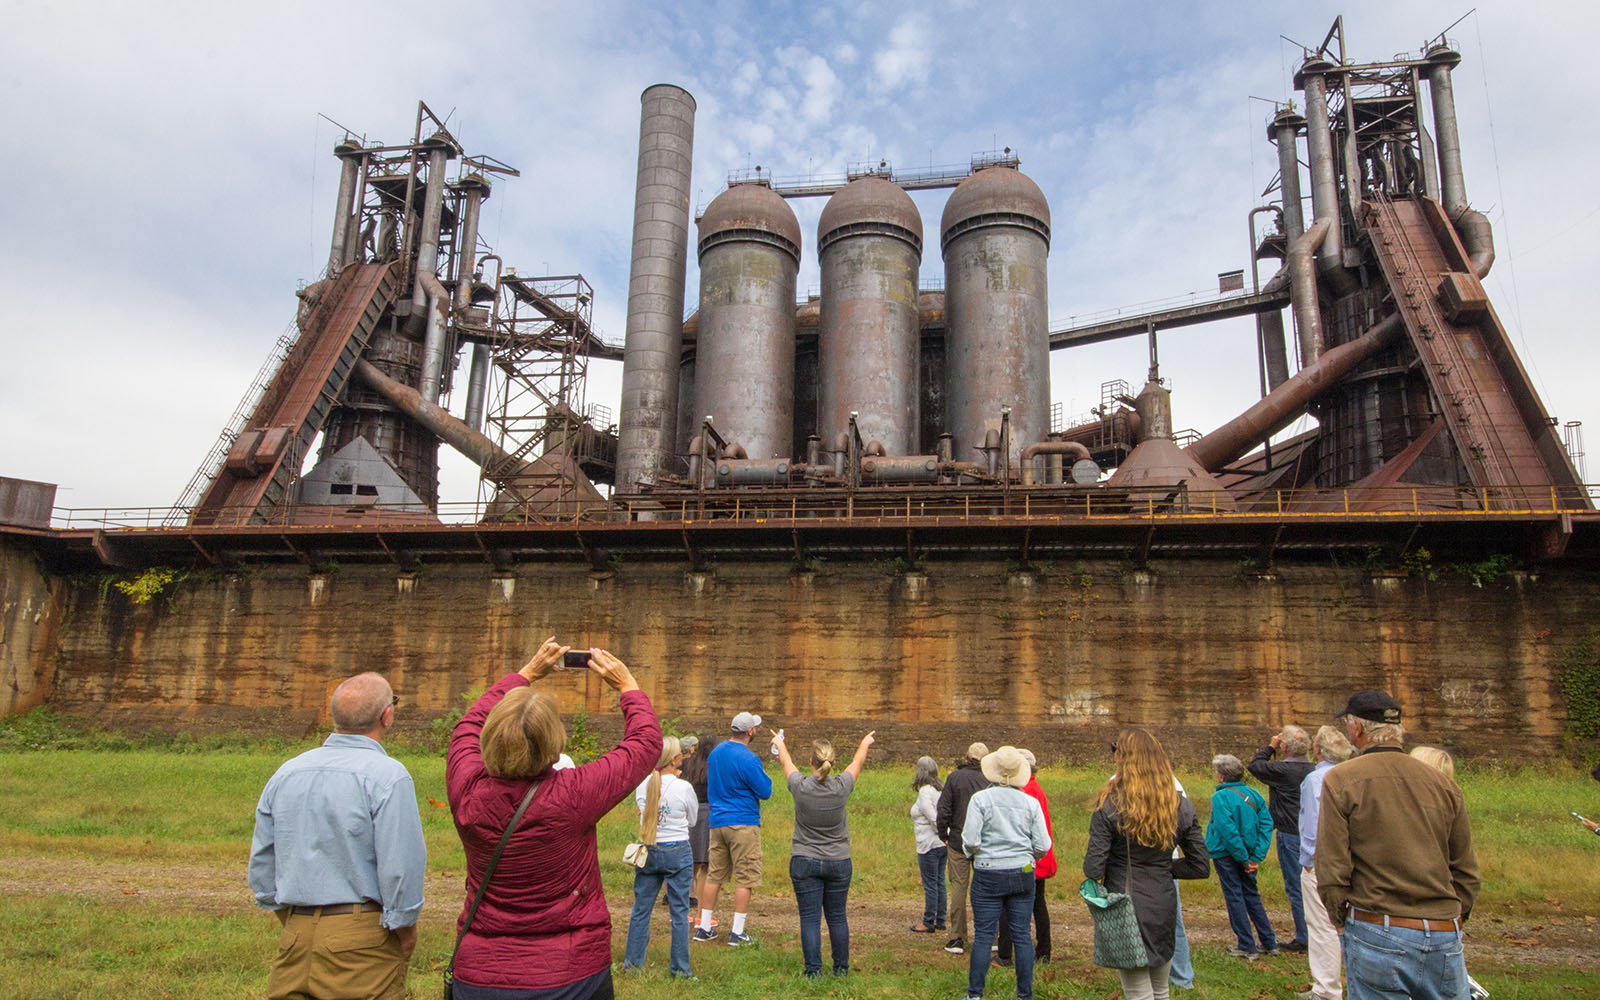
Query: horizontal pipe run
x,y
1079,453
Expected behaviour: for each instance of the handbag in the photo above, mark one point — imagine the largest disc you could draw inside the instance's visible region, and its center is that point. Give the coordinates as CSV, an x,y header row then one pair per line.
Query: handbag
x,y
1117,941
472,911
636,854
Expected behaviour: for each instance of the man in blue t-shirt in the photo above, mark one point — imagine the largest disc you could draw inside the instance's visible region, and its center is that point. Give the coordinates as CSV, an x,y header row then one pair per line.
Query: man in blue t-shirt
x,y
736,784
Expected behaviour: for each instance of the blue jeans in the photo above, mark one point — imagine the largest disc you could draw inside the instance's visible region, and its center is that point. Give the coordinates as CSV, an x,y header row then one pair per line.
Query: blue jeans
x,y
1244,905
1391,963
1001,894
931,865
674,865
1182,972
822,888
1289,864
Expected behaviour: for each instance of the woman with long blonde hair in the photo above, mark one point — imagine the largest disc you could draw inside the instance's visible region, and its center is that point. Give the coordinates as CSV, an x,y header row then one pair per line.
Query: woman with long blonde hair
x,y
1139,818
667,810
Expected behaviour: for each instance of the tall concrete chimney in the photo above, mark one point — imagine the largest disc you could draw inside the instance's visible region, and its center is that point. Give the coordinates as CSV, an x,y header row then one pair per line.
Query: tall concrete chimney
x,y
647,424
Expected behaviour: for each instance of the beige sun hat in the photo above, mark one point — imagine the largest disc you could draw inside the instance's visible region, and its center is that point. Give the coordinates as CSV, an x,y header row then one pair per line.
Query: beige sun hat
x,y
1006,766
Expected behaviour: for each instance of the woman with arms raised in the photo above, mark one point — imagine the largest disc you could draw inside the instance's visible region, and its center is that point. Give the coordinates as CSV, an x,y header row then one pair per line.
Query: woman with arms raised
x,y
542,931
1139,817
819,861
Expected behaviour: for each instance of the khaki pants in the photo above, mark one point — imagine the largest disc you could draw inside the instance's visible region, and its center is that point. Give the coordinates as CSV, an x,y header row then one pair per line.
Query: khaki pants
x,y
341,956
960,868
1322,941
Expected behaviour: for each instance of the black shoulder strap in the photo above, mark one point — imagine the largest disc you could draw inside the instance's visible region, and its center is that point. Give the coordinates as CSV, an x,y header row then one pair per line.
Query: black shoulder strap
x,y
494,859
1246,798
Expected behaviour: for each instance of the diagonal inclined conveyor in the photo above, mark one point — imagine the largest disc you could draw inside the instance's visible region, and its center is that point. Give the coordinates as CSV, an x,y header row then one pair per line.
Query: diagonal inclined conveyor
x,y
255,476
1501,429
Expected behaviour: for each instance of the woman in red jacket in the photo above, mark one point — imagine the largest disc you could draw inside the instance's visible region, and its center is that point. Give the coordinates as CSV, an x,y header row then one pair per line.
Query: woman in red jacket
x,y
1045,868
542,931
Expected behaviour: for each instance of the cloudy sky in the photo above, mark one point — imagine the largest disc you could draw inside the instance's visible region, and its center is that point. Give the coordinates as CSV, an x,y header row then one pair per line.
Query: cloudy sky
x,y
172,181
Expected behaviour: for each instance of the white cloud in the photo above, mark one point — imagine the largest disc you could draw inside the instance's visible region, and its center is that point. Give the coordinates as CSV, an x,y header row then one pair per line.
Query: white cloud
x,y
909,54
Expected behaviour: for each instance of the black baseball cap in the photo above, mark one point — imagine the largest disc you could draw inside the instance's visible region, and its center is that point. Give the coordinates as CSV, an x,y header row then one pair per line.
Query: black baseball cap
x,y
1374,706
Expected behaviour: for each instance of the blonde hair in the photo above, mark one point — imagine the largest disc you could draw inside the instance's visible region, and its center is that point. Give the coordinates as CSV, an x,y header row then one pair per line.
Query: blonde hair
x,y
822,758
522,736
650,812
1436,758
1143,791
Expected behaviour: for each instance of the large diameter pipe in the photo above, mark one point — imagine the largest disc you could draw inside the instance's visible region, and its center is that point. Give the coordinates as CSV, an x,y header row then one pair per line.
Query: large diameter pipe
x,y
1303,289
1447,136
466,273
1477,238
349,167
437,299
647,421
1079,453
1319,146
1282,407
432,211
1285,132
436,420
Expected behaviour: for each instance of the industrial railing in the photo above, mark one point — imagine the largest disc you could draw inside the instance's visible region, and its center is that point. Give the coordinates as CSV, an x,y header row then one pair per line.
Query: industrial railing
x,y
944,506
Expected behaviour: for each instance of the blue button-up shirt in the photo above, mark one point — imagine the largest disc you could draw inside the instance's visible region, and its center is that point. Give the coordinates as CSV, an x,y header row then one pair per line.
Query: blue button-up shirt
x,y
339,824
1310,809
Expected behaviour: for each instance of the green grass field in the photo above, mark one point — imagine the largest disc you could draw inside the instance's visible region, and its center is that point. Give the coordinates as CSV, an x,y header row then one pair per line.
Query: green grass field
x,y
124,875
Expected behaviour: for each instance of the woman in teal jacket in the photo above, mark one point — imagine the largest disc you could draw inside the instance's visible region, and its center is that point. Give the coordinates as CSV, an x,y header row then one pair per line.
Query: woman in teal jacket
x,y
1238,836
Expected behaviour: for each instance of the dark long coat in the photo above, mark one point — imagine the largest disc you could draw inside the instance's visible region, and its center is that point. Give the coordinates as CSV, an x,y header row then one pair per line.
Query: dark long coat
x,y
1155,901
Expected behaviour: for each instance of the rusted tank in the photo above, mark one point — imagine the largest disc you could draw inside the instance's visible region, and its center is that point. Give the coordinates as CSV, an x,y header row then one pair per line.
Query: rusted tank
x,y
744,354
996,236
869,240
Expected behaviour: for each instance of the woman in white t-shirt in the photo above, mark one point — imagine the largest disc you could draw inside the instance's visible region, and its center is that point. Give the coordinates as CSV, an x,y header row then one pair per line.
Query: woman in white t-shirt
x,y
667,809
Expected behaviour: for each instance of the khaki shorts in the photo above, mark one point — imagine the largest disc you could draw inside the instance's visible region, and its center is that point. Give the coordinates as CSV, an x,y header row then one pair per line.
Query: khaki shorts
x,y
735,852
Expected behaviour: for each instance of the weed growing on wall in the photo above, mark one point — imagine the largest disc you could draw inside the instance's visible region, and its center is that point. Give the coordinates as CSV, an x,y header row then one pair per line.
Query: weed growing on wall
x,y
1578,670
582,745
147,586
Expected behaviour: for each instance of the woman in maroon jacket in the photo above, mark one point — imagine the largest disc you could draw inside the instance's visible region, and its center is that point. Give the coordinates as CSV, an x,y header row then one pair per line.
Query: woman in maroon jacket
x,y
542,931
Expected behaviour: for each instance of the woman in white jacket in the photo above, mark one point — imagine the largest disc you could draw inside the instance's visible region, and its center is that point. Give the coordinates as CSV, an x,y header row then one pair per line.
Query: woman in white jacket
x,y
931,851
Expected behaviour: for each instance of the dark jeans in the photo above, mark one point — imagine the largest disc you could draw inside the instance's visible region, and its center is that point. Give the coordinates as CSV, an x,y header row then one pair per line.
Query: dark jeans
x,y
1244,905
596,987
822,888
1004,894
1041,928
931,865
1289,864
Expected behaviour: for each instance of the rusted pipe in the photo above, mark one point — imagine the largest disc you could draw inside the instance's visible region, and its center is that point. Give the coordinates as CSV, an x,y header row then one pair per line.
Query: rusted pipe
x,y
733,450
1477,238
874,448
1281,407
696,445
433,346
1078,452
349,155
1303,290
841,451
434,419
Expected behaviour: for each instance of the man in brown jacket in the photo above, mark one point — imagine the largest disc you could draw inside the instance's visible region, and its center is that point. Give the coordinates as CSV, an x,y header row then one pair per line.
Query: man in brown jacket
x,y
1394,862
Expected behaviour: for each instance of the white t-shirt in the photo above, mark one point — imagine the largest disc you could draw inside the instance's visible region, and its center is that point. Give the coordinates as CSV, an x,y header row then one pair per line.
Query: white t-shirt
x,y
677,809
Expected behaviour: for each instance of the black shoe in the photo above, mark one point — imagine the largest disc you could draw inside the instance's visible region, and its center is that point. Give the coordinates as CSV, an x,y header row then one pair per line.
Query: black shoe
x,y
955,946
1295,946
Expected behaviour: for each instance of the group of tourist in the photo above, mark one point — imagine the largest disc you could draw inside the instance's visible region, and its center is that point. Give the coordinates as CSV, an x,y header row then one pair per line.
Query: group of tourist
x,y
1373,846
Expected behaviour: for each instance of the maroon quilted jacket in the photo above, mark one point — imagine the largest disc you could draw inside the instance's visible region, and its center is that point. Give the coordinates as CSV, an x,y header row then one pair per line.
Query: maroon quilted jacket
x,y
543,922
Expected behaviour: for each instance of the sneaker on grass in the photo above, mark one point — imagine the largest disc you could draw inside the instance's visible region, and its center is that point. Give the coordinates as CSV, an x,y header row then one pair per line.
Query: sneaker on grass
x,y
955,946
735,940
701,934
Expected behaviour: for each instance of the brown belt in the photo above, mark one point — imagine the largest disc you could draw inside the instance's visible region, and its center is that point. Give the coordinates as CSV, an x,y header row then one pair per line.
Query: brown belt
x,y
1409,923
325,911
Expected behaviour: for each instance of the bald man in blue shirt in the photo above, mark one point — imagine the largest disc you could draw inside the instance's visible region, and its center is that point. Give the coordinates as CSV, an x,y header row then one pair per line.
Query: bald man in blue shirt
x,y
338,856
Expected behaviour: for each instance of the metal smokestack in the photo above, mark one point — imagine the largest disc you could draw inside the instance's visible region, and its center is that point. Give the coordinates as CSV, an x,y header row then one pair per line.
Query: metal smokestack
x,y
1284,132
1447,136
647,424
477,189
1319,146
428,294
349,155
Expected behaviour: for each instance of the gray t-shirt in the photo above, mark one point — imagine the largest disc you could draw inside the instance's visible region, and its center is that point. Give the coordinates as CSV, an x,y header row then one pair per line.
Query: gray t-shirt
x,y
821,829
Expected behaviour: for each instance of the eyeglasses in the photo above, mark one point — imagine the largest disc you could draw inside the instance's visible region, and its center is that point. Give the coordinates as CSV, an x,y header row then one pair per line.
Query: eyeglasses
x,y
394,700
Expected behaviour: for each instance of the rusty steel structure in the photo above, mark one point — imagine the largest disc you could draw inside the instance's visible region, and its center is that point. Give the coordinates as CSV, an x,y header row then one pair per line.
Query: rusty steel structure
x,y
1375,323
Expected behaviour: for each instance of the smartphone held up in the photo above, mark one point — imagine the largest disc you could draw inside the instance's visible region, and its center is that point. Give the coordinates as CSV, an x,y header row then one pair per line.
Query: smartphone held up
x,y
575,660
